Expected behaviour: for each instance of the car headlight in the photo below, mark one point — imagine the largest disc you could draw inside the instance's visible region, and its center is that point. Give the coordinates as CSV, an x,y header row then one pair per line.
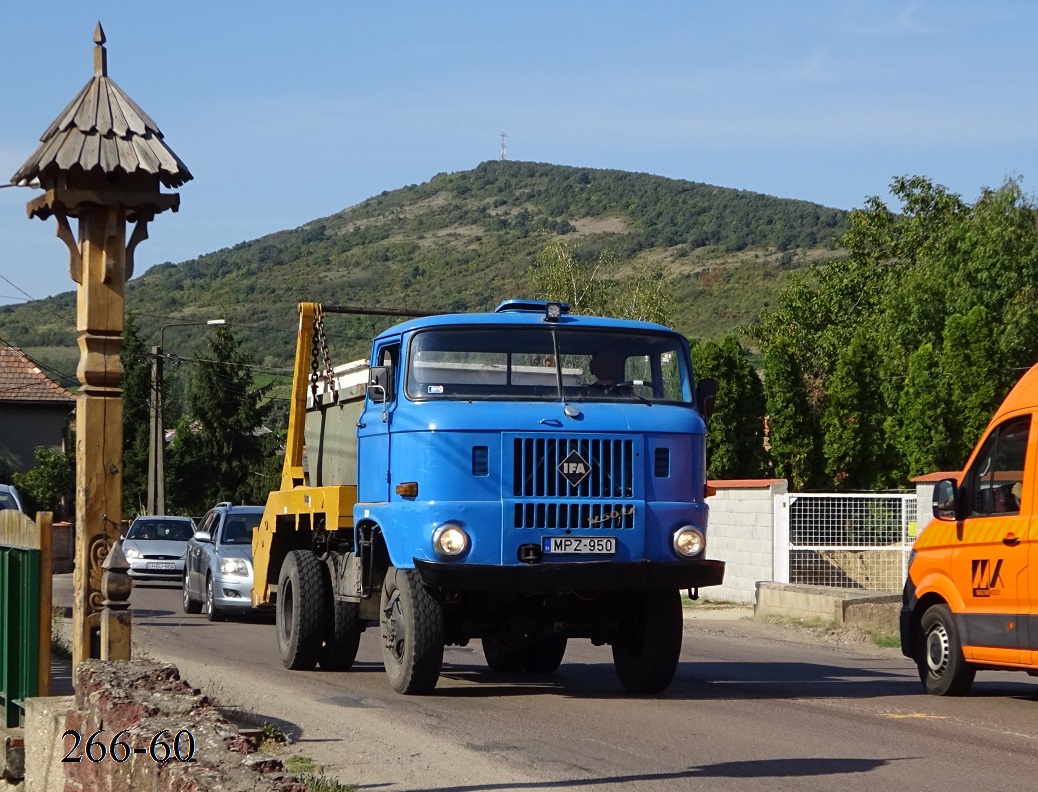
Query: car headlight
x,y
234,566
688,541
450,540
133,552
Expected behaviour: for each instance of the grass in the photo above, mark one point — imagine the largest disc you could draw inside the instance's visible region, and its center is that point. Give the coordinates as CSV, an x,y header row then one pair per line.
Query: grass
x,y
313,775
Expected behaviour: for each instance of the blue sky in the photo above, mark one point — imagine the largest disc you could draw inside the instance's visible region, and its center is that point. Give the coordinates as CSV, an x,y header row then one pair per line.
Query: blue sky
x,y
286,112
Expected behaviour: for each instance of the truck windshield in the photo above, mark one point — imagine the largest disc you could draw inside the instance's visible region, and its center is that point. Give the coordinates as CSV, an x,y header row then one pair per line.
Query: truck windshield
x,y
487,362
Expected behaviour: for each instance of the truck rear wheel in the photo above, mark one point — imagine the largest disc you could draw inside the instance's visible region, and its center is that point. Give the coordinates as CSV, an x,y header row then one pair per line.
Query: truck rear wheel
x,y
300,610
342,636
646,651
545,656
412,633
501,658
943,669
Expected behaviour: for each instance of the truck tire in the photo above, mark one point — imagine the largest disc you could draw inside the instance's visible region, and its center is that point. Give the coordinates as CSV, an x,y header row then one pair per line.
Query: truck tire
x,y
501,658
647,648
342,635
943,669
191,605
545,656
299,613
412,633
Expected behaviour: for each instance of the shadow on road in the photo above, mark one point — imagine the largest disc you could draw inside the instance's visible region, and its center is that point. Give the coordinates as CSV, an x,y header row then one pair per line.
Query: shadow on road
x,y
762,768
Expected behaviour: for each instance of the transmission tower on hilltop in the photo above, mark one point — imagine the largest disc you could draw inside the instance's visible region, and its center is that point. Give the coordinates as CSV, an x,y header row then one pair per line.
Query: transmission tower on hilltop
x,y
504,150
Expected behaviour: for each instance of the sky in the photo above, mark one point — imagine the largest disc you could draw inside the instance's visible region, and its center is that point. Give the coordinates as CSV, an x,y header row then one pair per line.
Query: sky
x,y
288,112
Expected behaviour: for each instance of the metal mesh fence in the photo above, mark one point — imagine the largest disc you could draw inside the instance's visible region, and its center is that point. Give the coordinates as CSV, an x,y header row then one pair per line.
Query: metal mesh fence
x,y
847,541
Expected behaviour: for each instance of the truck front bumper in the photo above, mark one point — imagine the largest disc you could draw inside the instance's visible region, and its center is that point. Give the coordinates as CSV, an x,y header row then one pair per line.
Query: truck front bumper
x,y
571,576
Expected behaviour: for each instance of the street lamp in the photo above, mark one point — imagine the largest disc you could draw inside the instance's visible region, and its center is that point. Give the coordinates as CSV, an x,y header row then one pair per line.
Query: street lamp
x,y
157,436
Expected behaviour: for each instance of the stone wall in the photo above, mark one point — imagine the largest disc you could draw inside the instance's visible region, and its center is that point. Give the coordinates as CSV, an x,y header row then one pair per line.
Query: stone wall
x,y
146,705
741,533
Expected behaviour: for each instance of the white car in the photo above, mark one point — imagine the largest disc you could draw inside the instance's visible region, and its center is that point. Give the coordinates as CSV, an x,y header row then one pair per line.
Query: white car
x,y
155,545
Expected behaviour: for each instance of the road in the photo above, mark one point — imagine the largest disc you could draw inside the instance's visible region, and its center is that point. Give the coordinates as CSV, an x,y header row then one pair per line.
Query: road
x,y
753,706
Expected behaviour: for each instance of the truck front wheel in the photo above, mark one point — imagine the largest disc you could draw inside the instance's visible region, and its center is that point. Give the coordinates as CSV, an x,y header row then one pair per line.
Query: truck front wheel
x,y
648,644
943,669
412,633
300,610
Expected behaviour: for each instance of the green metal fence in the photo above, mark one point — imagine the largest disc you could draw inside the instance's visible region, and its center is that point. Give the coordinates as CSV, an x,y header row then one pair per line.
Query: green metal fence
x,y
24,612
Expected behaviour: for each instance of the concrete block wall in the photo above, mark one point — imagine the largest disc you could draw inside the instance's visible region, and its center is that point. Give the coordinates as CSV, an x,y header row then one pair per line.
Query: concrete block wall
x,y
740,533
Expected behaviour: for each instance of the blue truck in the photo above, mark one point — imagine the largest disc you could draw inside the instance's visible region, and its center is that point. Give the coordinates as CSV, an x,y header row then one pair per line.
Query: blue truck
x,y
522,477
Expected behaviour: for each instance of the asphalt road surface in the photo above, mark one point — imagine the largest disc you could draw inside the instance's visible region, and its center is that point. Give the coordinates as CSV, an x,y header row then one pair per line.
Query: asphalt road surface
x,y
753,706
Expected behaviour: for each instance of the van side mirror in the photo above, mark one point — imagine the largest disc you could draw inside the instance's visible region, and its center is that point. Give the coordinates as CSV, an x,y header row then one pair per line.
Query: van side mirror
x,y
706,396
380,383
946,500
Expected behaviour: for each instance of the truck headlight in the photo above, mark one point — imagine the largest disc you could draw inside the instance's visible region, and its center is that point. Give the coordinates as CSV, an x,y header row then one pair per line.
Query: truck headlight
x,y
450,540
688,541
234,566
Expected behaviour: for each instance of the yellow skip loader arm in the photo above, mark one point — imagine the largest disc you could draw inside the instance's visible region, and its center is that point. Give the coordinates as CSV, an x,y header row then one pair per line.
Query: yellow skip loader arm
x,y
297,510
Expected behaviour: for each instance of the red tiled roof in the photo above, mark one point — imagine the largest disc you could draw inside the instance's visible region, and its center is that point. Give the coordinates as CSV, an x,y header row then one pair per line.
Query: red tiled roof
x,y
930,478
22,381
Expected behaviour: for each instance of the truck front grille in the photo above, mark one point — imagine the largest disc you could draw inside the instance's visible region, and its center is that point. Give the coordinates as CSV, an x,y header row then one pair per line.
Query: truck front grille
x,y
543,498
574,515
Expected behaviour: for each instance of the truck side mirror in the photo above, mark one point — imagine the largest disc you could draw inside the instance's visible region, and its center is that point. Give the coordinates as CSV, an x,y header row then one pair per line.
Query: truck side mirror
x,y
946,500
380,383
706,396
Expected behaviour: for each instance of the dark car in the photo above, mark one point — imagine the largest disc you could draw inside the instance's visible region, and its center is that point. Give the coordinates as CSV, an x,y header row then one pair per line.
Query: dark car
x,y
218,569
154,546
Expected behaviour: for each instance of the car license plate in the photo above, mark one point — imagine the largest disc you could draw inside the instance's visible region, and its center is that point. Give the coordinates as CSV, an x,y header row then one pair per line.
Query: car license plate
x,y
161,565
574,545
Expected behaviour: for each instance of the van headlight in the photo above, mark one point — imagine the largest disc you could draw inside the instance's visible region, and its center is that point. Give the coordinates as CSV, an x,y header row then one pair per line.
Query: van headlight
x,y
689,541
450,540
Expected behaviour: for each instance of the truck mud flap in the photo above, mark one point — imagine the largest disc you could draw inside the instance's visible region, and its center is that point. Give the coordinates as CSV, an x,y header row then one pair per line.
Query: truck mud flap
x,y
572,576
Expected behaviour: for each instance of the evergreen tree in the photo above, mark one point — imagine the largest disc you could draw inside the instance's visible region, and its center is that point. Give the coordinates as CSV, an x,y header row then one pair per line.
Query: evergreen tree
x,y
221,446
924,407
792,424
136,385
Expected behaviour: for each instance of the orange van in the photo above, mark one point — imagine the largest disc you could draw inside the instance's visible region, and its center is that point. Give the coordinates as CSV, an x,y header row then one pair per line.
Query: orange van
x,y
971,597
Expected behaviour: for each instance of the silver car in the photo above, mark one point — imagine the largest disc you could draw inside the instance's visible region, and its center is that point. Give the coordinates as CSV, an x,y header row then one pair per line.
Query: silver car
x,y
218,571
9,498
154,546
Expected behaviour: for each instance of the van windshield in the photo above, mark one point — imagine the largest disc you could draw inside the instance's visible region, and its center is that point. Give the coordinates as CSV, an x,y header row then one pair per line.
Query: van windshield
x,y
488,362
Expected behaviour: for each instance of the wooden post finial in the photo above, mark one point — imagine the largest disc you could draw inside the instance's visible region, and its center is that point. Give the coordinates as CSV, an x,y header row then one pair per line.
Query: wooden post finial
x,y
100,54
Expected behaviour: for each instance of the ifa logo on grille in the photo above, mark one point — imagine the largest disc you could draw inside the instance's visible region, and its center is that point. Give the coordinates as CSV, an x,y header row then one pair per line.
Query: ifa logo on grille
x,y
574,468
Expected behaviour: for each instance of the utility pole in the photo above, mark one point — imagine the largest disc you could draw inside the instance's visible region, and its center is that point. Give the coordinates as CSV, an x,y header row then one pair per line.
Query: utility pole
x,y
157,432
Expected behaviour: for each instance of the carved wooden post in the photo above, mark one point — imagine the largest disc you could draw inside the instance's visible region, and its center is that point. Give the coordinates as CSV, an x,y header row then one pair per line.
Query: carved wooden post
x,y
101,162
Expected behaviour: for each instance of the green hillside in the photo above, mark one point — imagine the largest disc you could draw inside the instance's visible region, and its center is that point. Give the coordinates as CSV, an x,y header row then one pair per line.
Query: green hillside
x,y
465,241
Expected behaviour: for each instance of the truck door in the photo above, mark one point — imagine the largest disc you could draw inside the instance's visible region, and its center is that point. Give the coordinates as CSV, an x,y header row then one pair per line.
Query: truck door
x,y
374,430
990,551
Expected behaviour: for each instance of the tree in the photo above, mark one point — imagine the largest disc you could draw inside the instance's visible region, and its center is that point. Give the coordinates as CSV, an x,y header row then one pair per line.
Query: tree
x,y
792,422
735,440
221,444
136,418
944,292
560,276
48,485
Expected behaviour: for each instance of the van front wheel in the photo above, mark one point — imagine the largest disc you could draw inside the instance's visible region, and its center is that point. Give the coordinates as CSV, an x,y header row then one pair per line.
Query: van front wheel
x,y
943,669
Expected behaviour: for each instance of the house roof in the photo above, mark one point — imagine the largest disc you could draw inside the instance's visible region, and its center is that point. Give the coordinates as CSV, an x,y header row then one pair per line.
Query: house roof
x,y
105,131
22,381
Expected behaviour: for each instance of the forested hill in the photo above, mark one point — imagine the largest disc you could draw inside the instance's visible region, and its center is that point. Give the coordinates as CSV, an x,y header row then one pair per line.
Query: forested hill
x,y
465,241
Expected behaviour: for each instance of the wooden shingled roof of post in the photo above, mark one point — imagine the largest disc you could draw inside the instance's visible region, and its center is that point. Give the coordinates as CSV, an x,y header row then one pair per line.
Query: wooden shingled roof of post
x,y
22,381
103,131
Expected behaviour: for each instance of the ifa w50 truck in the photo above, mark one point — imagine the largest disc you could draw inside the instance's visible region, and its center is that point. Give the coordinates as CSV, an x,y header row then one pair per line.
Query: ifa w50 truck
x,y
522,477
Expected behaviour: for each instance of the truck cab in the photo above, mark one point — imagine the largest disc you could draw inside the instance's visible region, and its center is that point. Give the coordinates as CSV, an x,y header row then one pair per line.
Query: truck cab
x,y
522,477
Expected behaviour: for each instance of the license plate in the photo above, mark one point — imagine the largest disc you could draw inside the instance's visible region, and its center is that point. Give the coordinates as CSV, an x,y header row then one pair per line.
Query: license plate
x,y
161,565
582,545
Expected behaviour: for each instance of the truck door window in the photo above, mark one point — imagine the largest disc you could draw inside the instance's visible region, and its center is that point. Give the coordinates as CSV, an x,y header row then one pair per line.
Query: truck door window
x,y
389,356
996,479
